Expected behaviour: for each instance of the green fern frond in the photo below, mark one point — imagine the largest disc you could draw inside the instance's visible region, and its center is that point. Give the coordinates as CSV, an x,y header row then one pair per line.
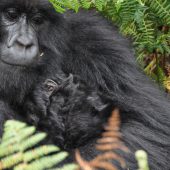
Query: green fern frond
x,y
58,5
99,4
18,138
61,6
161,8
86,4
129,29
39,152
72,4
146,33
127,10
111,11
142,159
43,163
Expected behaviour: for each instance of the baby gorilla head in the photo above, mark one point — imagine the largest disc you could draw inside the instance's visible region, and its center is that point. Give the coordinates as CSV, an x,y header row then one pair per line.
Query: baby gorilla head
x,y
72,112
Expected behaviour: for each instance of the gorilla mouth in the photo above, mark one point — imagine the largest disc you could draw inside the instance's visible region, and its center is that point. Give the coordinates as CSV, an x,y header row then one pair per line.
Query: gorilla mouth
x,y
11,64
23,64
20,60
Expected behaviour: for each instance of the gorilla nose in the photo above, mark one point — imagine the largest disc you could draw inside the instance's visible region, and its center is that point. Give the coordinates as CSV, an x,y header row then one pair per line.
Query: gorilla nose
x,y
21,50
26,48
25,42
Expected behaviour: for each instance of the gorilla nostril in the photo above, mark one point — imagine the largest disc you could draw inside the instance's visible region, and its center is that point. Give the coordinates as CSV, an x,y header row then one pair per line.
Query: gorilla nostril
x,y
25,45
25,42
29,46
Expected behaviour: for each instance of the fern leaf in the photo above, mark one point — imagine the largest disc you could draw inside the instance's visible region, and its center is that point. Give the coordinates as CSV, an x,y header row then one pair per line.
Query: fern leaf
x,y
58,5
12,125
85,4
99,4
142,159
127,10
14,149
39,152
10,161
44,163
146,33
161,8
32,141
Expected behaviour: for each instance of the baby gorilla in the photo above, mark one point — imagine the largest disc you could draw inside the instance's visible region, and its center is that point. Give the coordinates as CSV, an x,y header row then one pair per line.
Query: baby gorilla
x,y
68,110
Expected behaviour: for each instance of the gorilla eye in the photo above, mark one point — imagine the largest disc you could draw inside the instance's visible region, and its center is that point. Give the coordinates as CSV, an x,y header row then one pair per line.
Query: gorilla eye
x,y
11,14
38,20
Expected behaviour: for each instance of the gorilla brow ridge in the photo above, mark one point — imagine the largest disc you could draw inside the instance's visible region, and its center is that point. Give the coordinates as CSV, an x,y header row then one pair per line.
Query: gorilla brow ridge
x,y
25,4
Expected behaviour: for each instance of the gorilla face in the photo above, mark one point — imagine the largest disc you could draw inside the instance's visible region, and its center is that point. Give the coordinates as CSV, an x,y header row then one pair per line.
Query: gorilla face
x,y
21,46
31,33
21,24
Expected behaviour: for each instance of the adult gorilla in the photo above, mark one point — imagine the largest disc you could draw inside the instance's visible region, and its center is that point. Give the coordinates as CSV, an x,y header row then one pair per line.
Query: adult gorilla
x,y
35,42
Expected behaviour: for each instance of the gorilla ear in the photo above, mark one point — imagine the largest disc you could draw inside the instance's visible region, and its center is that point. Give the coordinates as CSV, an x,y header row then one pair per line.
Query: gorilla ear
x,y
50,86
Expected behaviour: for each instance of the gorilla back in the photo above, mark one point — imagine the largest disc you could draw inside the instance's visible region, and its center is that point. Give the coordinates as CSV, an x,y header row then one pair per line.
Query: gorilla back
x,y
36,42
106,60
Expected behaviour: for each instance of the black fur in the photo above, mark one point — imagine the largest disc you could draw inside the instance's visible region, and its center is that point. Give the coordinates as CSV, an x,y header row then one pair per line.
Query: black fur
x,y
66,108
85,44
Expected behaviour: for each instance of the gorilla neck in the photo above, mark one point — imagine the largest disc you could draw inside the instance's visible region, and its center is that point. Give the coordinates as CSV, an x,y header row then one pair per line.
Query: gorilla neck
x,y
16,82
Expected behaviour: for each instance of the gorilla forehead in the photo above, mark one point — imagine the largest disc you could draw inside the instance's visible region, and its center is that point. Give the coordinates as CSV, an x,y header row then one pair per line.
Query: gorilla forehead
x,y
25,4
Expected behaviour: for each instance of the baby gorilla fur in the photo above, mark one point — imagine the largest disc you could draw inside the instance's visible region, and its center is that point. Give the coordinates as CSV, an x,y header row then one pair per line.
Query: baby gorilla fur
x,y
69,110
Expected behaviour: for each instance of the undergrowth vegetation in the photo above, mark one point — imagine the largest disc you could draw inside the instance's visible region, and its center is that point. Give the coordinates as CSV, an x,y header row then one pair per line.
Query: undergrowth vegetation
x,y
146,21
21,149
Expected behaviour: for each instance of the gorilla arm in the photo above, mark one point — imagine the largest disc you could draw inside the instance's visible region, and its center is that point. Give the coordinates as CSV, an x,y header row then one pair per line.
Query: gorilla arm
x,y
6,113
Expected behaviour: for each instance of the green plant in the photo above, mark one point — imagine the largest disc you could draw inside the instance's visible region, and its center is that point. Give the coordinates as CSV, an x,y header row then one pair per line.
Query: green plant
x,y
109,142
142,158
19,150
146,21
62,5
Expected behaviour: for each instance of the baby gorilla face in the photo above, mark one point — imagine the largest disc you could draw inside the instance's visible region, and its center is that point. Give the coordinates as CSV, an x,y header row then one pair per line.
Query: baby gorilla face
x,y
71,112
